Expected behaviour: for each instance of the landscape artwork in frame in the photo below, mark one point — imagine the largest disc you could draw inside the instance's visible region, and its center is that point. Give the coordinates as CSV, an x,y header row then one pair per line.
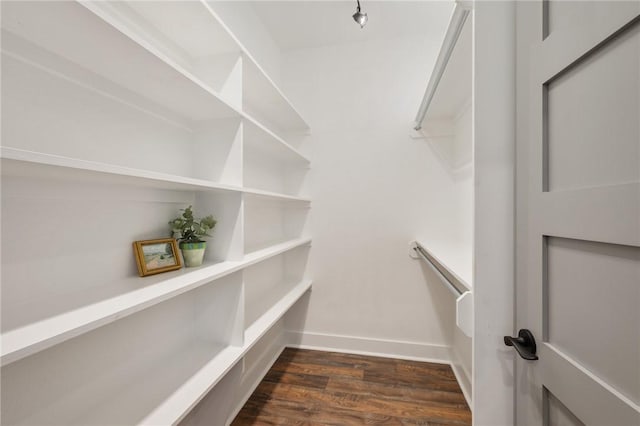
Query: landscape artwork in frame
x,y
155,256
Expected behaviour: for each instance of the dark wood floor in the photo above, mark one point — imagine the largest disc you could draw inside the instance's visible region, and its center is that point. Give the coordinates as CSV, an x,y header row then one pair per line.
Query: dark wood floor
x,y
326,388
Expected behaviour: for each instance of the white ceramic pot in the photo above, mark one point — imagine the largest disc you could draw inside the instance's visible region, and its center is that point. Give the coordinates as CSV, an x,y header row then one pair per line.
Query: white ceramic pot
x,y
193,253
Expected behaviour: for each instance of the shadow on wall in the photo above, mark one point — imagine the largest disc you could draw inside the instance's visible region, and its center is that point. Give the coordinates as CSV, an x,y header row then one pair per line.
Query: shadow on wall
x,y
451,141
458,164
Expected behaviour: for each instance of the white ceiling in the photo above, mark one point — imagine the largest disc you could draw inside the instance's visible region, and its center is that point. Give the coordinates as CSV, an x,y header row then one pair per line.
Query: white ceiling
x,y
303,24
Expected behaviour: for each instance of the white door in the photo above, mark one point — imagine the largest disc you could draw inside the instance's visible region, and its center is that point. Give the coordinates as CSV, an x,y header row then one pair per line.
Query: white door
x,y
578,212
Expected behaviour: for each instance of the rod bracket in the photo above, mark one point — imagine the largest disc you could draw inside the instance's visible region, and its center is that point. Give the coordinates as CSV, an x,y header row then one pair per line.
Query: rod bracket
x,y
413,246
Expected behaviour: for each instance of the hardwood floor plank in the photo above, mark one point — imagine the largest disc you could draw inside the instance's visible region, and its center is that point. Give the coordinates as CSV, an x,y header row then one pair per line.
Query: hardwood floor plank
x,y
401,368
278,412
425,370
433,383
316,370
326,388
337,359
306,380
306,396
395,391
360,403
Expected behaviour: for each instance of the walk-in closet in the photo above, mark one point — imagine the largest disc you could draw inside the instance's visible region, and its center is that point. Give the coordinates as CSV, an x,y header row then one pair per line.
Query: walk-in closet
x,y
319,212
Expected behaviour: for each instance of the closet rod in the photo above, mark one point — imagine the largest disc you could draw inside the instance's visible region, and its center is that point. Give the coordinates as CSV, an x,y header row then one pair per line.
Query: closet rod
x,y
447,283
456,23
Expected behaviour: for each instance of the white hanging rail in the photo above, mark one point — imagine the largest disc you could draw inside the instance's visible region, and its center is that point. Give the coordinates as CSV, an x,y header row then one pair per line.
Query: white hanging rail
x,y
457,287
456,23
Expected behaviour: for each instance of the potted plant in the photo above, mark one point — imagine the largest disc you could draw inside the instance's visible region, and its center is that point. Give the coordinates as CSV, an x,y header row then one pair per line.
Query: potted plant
x,y
189,231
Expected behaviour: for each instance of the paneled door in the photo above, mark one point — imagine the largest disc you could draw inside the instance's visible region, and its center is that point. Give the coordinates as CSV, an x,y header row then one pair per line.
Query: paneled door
x,y
578,212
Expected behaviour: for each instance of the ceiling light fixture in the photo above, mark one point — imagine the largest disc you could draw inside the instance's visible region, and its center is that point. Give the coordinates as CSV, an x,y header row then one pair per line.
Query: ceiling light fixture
x,y
359,17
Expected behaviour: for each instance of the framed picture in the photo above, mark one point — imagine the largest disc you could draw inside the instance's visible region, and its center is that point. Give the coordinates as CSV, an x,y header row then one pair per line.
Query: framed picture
x,y
155,256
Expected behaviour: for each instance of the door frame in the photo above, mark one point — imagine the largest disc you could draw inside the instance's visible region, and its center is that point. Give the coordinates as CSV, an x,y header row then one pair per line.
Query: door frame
x,y
494,130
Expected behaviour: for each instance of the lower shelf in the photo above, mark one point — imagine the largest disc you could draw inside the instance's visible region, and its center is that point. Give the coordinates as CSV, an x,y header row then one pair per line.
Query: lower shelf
x,y
151,368
189,391
169,388
178,405
260,326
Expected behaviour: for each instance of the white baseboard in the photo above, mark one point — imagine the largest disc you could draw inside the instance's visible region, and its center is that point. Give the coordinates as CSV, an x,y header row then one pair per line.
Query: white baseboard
x,y
463,378
366,346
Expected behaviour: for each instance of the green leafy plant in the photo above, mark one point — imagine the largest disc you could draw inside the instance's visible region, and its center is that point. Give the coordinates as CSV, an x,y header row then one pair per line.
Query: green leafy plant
x,y
191,229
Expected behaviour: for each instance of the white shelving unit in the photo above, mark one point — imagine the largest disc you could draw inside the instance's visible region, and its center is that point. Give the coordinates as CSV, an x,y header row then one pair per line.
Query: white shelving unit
x,y
444,121
103,146
264,99
190,46
447,118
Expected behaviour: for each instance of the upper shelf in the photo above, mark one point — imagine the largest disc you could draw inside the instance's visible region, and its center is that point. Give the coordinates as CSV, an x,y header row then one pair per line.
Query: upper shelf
x,y
450,85
262,97
160,59
255,135
18,162
68,39
205,39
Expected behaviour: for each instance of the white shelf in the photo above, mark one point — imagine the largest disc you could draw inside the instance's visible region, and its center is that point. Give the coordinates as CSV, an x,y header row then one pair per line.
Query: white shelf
x,y
275,196
453,91
260,326
266,99
456,259
176,68
176,389
264,140
40,335
18,162
174,408
190,28
51,30
187,392
157,20
183,95
22,163
274,250
260,91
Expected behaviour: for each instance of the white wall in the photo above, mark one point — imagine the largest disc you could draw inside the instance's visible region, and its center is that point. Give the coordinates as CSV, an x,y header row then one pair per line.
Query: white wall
x,y
453,148
372,188
245,24
462,177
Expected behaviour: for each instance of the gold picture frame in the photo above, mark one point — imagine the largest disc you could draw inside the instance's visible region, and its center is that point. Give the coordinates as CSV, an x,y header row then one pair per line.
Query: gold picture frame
x,y
156,256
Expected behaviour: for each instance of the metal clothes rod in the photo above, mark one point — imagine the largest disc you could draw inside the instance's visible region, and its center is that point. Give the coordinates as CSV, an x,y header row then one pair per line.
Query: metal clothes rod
x,y
448,284
458,18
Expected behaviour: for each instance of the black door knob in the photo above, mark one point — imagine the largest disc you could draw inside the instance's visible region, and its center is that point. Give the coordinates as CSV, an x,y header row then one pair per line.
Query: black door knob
x,y
524,344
